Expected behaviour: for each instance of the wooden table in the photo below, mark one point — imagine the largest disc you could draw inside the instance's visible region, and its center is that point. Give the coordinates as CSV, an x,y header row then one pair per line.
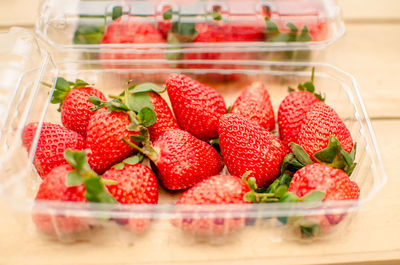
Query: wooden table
x,y
370,51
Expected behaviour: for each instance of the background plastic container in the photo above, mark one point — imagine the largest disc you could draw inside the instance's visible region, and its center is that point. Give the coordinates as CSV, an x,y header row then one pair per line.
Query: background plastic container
x,y
224,29
30,102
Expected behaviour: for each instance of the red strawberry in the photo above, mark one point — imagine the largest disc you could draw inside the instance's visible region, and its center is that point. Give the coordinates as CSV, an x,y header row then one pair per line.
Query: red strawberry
x,y
216,33
219,189
180,159
126,119
254,103
184,160
291,113
74,103
197,107
244,32
136,184
246,146
54,139
136,32
334,183
105,132
293,109
54,188
320,123
129,29
165,118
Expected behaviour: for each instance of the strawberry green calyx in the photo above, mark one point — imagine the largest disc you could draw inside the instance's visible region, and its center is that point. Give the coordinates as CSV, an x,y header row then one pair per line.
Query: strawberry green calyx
x,y
167,14
132,160
256,195
137,103
146,149
274,35
83,174
295,160
62,89
277,191
333,155
309,87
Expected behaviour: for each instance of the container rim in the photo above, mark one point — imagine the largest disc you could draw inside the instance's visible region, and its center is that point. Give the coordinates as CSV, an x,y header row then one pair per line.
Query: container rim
x,y
333,15
266,210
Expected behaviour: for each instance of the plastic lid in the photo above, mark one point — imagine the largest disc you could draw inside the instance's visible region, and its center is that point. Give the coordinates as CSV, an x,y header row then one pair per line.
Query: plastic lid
x,y
287,24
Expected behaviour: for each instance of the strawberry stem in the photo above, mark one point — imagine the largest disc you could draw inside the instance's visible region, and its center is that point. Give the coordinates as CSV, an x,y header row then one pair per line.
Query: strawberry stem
x,y
83,174
147,150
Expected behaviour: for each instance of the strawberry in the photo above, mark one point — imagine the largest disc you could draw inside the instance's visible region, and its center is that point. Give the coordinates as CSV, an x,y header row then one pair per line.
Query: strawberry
x,y
180,159
54,139
54,188
197,107
293,110
133,31
126,116
333,184
246,146
135,184
74,103
165,118
241,32
73,182
105,132
215,190
129,29
217,33
254,103
320,123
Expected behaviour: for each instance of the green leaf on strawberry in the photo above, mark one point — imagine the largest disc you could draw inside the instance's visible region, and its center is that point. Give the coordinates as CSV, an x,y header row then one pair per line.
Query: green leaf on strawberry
x,y
309,87
96,192
116,12
62,88
74,179
147,117
300,154
146,87
88,34
83,174
167,15
274,35
138,101
333,155
304,35
314,196
132,160
216,15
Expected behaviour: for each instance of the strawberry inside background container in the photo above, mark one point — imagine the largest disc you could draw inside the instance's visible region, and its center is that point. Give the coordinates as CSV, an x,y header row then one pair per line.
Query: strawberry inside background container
x,y
220,30
30,102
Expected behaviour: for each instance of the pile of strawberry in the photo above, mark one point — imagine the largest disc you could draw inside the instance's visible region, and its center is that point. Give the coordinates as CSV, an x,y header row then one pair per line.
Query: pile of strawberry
x,y
97,154
127,29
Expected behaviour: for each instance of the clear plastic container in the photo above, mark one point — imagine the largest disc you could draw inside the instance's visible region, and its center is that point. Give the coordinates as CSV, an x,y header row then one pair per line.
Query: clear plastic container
x,y
202,29
30,102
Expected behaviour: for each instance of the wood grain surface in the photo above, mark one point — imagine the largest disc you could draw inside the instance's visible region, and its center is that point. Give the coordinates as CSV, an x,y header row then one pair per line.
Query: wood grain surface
x,y
369,51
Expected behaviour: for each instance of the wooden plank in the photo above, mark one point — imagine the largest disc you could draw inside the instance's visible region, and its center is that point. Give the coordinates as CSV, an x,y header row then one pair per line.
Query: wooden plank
x,y
372,236
18,12
370,52
364,11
